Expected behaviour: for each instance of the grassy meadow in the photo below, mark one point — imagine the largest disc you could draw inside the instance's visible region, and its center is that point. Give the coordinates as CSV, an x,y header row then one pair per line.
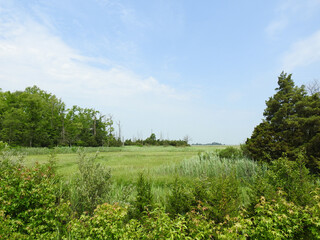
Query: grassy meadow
x,y
124,162
160,164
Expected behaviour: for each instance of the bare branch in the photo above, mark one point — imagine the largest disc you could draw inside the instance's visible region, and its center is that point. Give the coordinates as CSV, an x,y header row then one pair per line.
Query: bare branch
x,y
313,87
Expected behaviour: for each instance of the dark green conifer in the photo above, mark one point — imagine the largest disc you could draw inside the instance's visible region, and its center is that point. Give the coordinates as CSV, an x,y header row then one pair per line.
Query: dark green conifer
x,y
291,125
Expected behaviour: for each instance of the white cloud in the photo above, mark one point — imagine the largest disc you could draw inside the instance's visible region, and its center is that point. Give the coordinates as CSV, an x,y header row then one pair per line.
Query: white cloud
x,y
31,55
303,53
276,26
290,11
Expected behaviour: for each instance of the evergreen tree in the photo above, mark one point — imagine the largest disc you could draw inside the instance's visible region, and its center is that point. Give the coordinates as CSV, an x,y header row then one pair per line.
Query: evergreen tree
x,y
291,125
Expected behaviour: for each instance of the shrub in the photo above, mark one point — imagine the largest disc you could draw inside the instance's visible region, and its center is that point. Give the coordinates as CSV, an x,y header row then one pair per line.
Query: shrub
x,y
28,201
231,153
178,200
3,146
224,197
293,178
144,198
107,222
89,187
275,219
220,195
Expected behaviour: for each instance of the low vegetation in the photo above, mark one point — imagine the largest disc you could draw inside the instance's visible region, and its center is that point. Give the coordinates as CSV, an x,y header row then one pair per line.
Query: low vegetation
x,y
268,188
210,197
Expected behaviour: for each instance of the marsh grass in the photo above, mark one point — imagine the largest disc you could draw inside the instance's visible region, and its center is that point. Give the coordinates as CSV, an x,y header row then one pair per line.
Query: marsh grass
x,y
211,165
124,162
162,164
73,150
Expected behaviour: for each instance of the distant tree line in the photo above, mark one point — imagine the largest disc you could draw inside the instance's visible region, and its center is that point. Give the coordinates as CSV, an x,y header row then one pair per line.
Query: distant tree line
x,y
207,144
35,118
153,141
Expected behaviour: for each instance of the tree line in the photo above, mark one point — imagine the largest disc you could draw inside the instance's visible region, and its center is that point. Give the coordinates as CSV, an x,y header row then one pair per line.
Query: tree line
x,y
35,118
153,141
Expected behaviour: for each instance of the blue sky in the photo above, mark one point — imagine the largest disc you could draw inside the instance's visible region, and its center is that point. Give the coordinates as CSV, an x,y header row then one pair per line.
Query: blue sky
x,y
176,67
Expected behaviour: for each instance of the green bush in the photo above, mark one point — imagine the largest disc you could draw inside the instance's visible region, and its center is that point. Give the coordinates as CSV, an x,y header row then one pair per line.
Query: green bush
x,y
223,197
90,186
144,198
107,222
275,219
3,146
178,200
292,177
28,201
230,153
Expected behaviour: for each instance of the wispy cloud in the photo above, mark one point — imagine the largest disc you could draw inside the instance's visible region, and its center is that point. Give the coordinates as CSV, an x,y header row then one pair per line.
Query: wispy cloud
x,y
31,55
127,15
288,12
276,26
303,53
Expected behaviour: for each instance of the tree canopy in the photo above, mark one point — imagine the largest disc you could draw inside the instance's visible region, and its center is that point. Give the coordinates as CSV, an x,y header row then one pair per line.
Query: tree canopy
x,y
35,118
291,126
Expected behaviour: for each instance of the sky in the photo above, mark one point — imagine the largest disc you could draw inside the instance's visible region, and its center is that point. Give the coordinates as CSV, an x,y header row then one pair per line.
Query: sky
x,y
177,68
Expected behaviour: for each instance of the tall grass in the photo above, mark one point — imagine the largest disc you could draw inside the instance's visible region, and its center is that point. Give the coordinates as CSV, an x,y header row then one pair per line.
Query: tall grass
x,y
211,165
66,150
61,150
162,164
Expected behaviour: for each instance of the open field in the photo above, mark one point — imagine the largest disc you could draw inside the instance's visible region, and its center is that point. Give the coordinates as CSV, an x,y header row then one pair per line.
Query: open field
x,y
123,161
157,163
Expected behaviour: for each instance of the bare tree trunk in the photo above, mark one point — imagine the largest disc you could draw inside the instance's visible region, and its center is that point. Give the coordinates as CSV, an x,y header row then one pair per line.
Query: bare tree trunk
x,y
95,126
63,132
52,115
119,126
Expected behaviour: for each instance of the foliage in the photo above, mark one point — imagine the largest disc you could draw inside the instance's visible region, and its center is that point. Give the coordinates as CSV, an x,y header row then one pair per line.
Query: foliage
x,y
292,178
89,187
144,198
291,125
178,200
3,146
275,219
29,206
230,152
36,118
109,222
209,164
106,223
283,203
153,141
220,196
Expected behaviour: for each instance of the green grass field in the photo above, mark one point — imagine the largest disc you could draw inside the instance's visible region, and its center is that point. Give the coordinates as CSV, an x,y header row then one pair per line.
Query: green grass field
x,y
126,163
